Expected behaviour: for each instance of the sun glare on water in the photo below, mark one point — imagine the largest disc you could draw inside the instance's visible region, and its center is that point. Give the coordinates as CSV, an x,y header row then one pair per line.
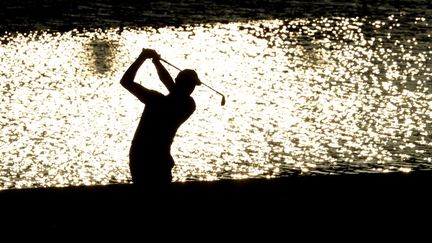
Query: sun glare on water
x,y
309,96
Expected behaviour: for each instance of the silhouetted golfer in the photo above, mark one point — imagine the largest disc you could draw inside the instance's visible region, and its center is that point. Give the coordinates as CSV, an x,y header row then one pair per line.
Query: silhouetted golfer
x,y
150,159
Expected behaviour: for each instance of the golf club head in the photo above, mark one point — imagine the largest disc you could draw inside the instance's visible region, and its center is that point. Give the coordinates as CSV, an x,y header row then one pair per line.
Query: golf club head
x,y
223,101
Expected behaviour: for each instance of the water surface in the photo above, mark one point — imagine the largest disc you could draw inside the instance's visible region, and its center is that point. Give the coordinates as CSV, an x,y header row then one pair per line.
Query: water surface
x,y
329,95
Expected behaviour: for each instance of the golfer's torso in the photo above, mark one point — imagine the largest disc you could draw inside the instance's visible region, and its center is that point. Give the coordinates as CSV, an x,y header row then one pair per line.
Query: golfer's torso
x,y
161,120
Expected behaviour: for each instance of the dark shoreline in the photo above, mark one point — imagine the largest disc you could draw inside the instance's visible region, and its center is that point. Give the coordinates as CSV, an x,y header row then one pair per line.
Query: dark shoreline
x,y
117,206
64,15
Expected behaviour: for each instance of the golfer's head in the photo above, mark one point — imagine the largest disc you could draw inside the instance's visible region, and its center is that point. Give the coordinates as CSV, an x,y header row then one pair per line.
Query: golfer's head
x,y
186,81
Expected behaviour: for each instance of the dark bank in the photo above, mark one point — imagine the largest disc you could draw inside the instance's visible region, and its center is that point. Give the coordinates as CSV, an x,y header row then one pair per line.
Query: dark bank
x,y
315,198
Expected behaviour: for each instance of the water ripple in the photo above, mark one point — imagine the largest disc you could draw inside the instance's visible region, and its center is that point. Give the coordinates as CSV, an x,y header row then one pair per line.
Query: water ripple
x,y
309,95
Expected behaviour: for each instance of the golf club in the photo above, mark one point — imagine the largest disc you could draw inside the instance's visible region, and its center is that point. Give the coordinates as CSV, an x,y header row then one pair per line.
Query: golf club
x,y
223,97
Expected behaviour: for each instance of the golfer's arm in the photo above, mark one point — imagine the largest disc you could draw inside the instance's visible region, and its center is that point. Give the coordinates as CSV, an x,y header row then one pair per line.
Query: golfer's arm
x,y
127,81
164,76
129,76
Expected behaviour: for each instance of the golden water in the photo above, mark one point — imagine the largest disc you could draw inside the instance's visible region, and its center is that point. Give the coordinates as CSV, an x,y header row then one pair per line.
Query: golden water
x,y
324,95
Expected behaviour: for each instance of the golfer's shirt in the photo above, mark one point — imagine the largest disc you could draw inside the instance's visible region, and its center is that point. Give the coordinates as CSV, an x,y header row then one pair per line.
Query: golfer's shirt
x,y
161,118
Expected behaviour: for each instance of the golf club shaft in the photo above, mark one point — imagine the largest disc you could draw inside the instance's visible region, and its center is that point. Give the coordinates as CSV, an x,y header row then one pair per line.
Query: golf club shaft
x,y
169,63
201,82
212,88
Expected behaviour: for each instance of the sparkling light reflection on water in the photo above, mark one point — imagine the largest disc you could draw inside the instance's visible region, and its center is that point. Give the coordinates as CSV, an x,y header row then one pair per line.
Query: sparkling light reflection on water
x,y
339,95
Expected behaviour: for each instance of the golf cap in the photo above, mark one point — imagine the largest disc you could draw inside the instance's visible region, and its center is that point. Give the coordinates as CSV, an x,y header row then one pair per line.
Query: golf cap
x,y
188,75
